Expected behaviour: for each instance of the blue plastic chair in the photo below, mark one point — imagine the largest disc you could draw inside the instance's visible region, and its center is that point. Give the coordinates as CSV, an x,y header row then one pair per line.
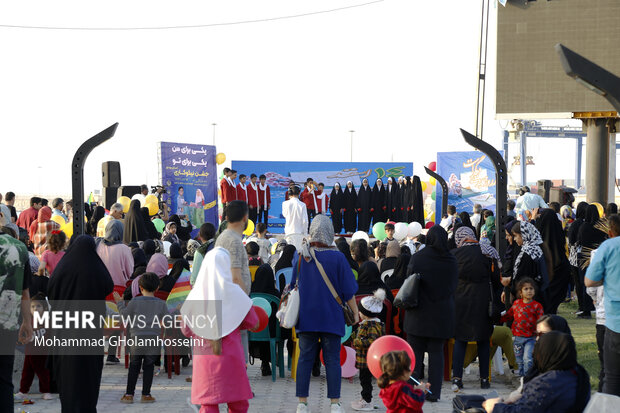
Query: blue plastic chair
x,y
273,341
288,276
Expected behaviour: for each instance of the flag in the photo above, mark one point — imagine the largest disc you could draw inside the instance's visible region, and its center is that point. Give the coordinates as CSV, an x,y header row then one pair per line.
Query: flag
x,y
91,199
180,291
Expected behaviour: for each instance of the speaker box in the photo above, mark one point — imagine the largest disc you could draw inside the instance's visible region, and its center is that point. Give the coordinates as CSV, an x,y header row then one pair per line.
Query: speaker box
x,y
127,191
109,197
544,186
111,174
563,195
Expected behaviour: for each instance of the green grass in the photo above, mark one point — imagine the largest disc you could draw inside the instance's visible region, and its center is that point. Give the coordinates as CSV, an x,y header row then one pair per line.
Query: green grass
x,y
584,332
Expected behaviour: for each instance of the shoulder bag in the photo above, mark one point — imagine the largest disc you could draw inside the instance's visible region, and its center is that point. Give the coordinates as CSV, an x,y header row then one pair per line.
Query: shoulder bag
x,y
409,294
288,314
349,317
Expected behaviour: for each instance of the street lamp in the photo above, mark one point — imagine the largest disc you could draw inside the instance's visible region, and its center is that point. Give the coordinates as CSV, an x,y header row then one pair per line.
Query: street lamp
x,y
351,132
598,160
214,125
590,75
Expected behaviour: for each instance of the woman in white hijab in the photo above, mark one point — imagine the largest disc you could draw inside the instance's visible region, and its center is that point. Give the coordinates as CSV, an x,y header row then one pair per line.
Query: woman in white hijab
x,y
214,312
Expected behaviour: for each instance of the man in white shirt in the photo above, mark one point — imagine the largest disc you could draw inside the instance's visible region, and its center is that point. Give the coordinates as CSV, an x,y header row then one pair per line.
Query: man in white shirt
x,y
296,215
475,218
529,201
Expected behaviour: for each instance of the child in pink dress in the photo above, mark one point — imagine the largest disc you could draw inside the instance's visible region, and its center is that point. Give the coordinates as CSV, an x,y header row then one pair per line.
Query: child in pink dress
x,y
51,257
219,372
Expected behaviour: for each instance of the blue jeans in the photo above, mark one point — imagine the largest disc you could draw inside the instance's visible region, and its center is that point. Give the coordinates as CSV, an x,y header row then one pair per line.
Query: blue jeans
x,y
524,349
308,349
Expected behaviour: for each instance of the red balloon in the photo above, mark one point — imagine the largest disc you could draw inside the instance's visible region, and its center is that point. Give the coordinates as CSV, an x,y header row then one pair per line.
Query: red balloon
x,y
429,224
384,345
432,166
263,319
343,355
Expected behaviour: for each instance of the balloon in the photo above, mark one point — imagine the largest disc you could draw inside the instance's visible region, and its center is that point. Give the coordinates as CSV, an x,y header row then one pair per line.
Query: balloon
x,y
434,195
59,220
343,355
273,249
159,224
432,166
415,229
263,319
124,201
220,158
360,235
347,333
153,208
102,223
262,303
249,230
348,368
140,198
167,245
423,186
400,231
601,211
378,230
432,181
67,229
384,345
150,198
429,225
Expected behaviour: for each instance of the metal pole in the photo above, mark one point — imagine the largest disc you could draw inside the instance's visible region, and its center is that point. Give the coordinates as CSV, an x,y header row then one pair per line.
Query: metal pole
x,y
506,134
523,160
214,125
579,160
597,160
351,144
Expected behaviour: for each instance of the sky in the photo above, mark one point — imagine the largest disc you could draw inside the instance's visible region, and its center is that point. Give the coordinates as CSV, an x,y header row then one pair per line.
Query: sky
x,y
402,74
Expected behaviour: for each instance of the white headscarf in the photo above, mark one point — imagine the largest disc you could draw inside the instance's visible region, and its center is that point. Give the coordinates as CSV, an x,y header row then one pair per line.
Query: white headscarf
x,y
215,288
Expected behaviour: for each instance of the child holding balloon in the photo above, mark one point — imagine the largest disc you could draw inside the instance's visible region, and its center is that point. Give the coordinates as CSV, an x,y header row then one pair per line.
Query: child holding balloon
x,y
370,329
397,394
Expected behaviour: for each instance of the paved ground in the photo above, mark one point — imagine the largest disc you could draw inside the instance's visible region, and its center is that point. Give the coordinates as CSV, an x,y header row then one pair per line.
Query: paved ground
x,y
278,397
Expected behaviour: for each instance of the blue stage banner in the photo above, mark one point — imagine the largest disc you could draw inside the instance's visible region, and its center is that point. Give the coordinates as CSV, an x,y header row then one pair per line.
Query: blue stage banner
x,y
279,174
189,174
471,180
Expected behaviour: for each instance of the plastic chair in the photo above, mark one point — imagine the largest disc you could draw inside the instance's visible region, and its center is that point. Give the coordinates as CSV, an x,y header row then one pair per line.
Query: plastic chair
x,y
253,269
386,273
265,335
288,276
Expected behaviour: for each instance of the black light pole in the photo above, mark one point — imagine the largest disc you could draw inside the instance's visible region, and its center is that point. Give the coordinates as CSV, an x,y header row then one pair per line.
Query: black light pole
x,y
444,191
501,185
606,84
77,175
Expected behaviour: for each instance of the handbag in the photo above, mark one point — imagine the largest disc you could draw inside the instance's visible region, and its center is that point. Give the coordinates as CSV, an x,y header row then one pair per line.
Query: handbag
x,y
288,314
409,294
468,404
349,317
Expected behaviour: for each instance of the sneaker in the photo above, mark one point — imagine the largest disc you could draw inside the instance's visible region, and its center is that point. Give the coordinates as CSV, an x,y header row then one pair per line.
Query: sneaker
x,y
147,399
127,399
362,405
48,396
337,408
303,408
19,397
457,384
484,384
111,360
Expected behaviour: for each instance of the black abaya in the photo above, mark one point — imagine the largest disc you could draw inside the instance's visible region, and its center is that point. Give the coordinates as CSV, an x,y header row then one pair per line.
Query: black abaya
x,y
364,204
378,203
417,202
150,227
184,233
336,205
403,192
554,242
80,275
392,201
350,214
134,229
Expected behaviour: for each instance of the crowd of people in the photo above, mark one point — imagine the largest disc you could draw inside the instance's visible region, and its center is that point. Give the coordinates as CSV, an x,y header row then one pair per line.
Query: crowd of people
x,y
467,293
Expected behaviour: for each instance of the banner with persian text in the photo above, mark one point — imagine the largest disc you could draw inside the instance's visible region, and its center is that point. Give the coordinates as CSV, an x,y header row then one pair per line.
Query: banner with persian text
x,y
188,172
280,174
471,180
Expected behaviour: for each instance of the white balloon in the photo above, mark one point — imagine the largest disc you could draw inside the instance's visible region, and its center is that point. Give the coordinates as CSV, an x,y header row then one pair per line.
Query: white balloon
x,y
400,231
140,198
360,235
415,229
